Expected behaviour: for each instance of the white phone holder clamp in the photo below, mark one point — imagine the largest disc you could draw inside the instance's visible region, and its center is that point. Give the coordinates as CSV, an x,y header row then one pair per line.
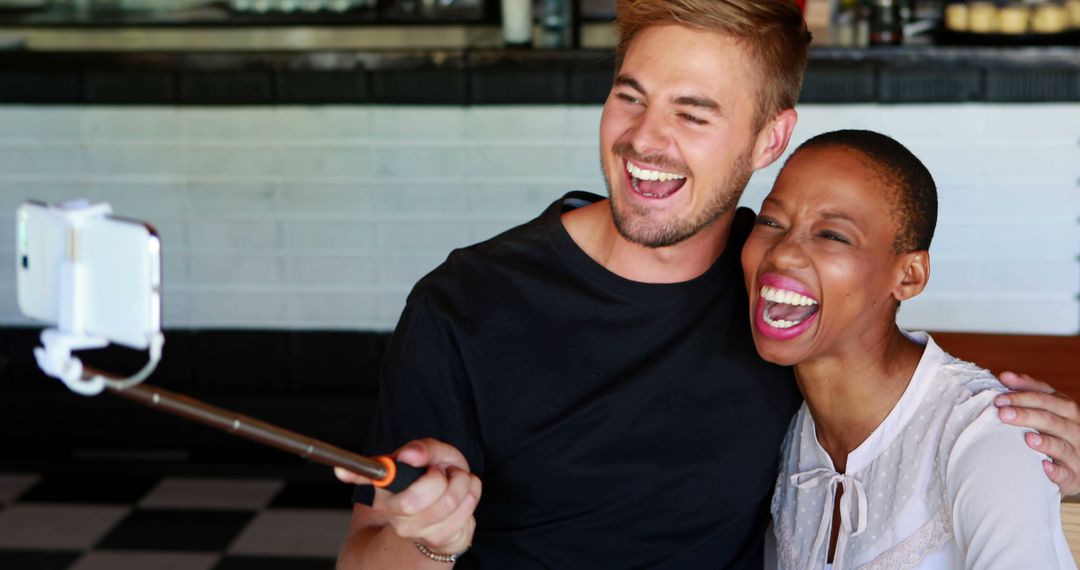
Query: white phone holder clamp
x,y
54,357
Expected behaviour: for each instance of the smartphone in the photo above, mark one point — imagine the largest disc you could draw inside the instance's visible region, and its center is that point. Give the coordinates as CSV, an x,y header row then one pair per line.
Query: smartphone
x,y
121,294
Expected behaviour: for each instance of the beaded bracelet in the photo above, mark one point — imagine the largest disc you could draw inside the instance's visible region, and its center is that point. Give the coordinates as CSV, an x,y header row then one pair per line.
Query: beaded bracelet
x,y
436,556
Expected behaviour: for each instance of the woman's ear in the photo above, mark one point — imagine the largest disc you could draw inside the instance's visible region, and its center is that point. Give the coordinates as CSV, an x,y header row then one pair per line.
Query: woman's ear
x,y
915,268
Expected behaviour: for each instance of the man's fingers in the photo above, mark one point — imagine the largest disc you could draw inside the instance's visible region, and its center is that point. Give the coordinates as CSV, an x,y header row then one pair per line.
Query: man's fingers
x,y
1055,440
1054,403
476,487
450,529
1065,478
440,453
1063,455
346,476
1042,421
1023,382
453,532
414,453
456,490
453,535
1060,450
442,525
431,452
415,499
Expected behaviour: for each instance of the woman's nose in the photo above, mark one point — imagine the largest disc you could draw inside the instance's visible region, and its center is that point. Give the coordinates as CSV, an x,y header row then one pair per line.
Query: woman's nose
x,y
787,252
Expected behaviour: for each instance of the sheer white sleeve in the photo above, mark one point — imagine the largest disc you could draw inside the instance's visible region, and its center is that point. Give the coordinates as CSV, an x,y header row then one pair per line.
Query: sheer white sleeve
x,y
1006,512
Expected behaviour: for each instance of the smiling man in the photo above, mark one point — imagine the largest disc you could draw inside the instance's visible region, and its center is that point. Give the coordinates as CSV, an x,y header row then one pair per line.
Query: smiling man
x,y
679,139
594,367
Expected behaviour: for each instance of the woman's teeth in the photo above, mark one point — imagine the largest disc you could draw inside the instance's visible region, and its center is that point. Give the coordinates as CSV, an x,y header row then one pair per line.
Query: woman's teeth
x,y
780,323
774,296
643,174
786,297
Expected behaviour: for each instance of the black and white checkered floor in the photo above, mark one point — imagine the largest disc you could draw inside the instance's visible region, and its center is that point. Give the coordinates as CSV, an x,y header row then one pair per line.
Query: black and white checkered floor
x,y
119,517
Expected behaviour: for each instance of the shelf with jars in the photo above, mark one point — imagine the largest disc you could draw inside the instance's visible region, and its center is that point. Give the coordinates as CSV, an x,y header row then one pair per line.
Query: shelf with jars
x,y
1012,22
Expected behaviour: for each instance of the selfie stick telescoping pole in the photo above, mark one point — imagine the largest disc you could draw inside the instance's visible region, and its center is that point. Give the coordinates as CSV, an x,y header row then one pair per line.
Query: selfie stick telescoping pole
x,y
55,359
384,471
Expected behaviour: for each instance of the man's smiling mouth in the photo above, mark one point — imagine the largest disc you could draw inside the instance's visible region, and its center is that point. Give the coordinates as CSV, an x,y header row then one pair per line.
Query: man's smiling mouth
x,y
785,309
654,183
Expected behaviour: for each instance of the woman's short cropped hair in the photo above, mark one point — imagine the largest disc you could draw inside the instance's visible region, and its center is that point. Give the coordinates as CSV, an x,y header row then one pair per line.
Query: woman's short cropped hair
x,y
913,190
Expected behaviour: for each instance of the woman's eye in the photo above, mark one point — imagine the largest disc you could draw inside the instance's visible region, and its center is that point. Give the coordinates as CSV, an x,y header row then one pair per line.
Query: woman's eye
x,y
767,221
833,236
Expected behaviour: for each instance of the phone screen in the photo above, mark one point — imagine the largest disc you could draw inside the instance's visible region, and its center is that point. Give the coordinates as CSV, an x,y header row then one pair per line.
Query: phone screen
x,y
41,246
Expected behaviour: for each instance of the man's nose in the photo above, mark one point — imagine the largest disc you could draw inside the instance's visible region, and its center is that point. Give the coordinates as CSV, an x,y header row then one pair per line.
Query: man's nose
x,y
651,135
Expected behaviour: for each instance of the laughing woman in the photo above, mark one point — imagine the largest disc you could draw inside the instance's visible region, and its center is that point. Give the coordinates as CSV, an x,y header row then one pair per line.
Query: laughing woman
x,y
897,459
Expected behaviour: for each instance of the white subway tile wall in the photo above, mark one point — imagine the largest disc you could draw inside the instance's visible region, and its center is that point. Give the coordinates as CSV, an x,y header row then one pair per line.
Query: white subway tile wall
x,y
324,217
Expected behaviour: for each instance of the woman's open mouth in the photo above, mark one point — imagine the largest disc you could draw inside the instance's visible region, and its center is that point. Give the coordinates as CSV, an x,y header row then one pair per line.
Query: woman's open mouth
x,y
782,313
785,309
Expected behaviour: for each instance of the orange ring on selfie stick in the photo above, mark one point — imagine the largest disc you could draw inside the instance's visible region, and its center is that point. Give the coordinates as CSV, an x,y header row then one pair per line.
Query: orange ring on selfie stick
x,y
391,471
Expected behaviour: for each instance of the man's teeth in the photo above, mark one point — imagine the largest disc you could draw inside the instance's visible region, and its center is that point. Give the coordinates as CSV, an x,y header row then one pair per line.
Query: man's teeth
x,y
786,297
642,174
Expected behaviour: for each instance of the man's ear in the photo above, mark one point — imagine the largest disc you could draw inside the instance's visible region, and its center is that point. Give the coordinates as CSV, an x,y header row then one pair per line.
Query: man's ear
x,y
773,138
915,274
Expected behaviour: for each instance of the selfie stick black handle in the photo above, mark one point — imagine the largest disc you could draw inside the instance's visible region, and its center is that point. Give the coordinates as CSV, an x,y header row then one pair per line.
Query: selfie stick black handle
x,y
384,471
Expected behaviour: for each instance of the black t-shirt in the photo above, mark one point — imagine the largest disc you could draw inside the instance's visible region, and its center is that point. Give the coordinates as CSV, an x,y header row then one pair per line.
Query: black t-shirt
x,y
615,424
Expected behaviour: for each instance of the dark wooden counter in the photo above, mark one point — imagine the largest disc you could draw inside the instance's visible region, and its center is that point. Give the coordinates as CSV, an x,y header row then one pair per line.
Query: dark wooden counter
x,y
493,76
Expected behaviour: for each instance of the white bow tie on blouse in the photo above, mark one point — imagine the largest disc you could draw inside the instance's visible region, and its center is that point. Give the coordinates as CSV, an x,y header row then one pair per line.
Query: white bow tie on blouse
x,y
853,494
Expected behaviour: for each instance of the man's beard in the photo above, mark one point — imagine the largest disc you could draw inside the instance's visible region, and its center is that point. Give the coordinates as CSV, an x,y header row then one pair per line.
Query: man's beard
x,y
635,225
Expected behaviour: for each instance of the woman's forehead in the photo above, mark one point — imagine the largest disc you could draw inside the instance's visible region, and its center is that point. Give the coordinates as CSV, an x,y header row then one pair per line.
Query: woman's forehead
x,y
834,180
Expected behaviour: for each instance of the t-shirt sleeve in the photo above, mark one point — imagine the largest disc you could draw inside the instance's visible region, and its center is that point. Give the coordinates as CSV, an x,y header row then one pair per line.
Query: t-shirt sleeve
x,y
423,391
1006,512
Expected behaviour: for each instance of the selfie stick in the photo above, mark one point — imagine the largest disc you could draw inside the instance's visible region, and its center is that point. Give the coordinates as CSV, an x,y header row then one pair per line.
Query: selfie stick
x,y
55,359
385,472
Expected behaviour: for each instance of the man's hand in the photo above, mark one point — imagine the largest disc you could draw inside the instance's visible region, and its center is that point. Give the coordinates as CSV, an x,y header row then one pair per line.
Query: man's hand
x,y
1056,416
437,509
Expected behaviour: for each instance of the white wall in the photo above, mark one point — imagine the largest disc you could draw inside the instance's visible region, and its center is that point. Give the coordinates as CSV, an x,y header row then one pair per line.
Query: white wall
x,y
323,217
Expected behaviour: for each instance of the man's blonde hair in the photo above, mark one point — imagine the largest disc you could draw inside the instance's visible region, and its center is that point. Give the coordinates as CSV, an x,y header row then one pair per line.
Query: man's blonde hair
x,y
772,31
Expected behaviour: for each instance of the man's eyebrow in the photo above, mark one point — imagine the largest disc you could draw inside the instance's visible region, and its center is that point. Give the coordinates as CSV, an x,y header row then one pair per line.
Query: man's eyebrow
x,y
700,102
627,81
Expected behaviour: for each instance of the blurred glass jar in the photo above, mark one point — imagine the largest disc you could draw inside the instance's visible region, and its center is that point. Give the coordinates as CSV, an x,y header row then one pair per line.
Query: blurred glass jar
x,y
1050,18
1073,6
851,24
956,16
983,17
1014,18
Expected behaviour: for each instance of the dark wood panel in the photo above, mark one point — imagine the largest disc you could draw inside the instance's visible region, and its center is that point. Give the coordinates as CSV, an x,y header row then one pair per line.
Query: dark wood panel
x,y
912,74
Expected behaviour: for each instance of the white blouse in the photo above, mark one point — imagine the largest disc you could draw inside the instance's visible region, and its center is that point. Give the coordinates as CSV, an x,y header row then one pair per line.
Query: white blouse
x,y
941,483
